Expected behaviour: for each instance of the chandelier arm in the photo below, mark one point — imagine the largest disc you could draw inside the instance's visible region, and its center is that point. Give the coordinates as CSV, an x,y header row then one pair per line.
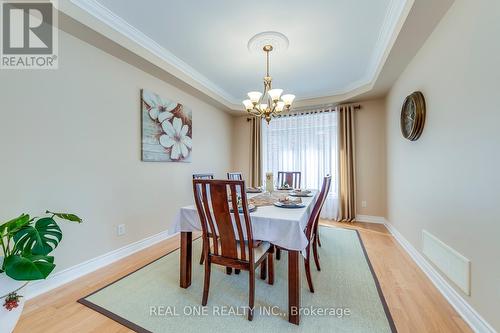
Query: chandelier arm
x,y
254,112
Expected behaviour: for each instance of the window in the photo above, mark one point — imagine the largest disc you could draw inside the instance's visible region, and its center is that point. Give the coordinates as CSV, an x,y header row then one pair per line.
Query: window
x,y
306,143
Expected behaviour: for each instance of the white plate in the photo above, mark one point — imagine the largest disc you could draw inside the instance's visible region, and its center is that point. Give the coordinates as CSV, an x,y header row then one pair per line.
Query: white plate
x,y
293,205
300,194
301,191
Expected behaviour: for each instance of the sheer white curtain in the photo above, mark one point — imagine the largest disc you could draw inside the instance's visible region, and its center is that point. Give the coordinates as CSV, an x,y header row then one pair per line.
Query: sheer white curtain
x,y
306,143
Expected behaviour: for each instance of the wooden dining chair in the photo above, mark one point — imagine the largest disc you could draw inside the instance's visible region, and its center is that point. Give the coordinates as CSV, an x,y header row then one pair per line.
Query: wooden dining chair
x,y
292,178
234,176
229,243
311,231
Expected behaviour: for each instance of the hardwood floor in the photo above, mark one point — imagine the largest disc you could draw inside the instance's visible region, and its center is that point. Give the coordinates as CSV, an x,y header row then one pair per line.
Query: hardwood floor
x,y
415,304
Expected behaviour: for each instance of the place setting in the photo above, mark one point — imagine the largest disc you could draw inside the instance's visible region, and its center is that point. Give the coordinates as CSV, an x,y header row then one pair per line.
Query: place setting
x,y
288,202
254,190
301,193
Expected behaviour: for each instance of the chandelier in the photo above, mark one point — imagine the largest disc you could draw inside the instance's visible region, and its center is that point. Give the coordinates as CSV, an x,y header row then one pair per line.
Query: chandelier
x,y
271,102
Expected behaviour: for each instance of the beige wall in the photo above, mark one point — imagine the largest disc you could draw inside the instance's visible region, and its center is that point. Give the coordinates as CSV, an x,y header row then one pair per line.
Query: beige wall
x,y
70,141
370,155
371,158
448,182
240,157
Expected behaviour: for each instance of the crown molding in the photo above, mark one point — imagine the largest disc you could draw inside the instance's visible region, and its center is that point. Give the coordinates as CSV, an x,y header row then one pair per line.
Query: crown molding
x,y
106,16
396,14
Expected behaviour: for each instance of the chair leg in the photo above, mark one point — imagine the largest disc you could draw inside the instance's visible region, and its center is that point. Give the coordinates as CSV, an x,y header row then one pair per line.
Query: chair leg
x,y
278,254
317,238
202,257
263,269
251,293
206,284
237,271
316,256
229,270
270,269
308,271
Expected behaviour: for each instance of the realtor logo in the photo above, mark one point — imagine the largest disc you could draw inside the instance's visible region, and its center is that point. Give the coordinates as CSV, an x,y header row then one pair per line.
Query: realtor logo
x,y
29,35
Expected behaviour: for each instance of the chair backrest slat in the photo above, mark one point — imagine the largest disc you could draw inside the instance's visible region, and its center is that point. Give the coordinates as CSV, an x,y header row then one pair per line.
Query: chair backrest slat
x,y
209,227
215,214
241,236
292,178
222,217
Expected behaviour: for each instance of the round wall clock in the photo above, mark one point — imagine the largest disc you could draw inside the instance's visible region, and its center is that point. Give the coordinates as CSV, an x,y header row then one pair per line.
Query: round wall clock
x,y
413,116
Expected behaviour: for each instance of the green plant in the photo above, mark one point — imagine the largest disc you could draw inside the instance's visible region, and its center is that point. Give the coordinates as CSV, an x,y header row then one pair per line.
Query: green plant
x,y
27,242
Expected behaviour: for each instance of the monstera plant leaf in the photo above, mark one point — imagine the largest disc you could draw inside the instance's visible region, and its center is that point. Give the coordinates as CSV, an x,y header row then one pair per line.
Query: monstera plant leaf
x,y
38,239
14,225
66,216
29,267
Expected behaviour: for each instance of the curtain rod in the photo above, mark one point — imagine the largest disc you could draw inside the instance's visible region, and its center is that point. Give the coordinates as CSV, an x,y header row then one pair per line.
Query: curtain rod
x,y
321,110
315,110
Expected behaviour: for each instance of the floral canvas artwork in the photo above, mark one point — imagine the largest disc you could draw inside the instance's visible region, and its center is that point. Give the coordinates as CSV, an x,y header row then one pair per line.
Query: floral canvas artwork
x,y
167,129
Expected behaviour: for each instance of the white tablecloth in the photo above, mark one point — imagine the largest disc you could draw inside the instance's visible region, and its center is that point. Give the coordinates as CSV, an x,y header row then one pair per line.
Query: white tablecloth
x,y
281,226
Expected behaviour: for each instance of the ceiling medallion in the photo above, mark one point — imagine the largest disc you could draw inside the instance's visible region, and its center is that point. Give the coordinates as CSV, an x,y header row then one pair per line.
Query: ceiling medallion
x,y
271,102
277,40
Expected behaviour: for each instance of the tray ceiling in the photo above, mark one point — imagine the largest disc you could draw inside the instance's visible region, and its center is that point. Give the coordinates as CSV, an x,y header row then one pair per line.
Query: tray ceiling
x,y
336,46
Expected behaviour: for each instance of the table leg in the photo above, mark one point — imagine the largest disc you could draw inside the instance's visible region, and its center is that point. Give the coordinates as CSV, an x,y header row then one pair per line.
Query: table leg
x,y
293,287
186,254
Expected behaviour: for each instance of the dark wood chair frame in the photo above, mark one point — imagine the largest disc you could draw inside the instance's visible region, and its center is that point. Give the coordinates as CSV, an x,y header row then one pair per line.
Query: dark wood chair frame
x,y
203,176
218,229
234,176
312,230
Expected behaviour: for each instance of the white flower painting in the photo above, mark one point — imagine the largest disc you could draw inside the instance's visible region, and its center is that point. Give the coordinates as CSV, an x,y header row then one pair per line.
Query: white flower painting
x,y
167,129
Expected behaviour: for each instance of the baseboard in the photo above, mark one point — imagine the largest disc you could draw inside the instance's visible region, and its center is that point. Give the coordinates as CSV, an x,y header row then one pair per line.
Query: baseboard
x,y
474,319
58,279
370,219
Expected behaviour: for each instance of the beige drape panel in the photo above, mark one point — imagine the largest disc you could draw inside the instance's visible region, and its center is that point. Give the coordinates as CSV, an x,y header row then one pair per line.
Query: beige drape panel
x,y
346,164
256,153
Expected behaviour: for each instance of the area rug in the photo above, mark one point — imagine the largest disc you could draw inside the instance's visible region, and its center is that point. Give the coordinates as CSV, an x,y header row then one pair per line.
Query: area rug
x,y
347,295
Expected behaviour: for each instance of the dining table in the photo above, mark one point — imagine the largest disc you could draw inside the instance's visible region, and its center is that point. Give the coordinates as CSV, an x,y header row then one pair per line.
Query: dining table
x,y
283,227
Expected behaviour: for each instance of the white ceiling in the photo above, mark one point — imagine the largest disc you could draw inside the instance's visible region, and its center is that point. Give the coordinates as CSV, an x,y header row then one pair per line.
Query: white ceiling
x,y
336,46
